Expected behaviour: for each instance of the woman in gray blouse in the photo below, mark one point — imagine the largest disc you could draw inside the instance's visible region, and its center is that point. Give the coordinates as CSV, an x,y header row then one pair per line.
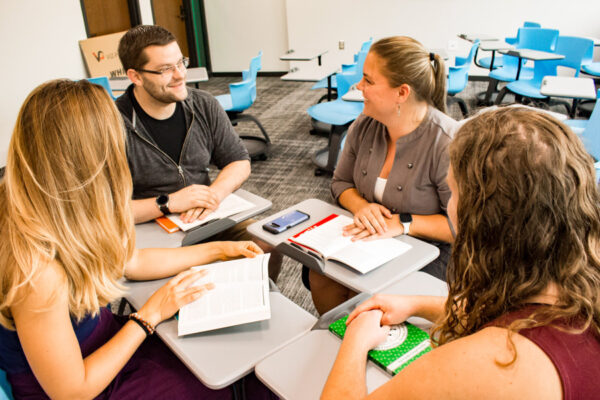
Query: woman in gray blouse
x,y
392,171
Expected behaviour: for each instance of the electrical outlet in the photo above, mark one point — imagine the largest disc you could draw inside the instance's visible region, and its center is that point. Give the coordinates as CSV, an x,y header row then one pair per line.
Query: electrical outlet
x,y
452,45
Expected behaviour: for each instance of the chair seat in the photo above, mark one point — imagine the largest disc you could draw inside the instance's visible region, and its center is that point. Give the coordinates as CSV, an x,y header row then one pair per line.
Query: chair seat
x,y
526,88
577,125
504,75
225,101
322,84
486,61
592,69
338,112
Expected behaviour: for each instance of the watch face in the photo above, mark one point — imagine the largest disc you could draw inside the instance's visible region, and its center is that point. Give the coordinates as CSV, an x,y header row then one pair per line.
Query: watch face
x,y
162,199
405,217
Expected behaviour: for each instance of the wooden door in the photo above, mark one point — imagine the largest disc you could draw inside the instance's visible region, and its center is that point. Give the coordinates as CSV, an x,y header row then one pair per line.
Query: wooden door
x,y
106,16
170,14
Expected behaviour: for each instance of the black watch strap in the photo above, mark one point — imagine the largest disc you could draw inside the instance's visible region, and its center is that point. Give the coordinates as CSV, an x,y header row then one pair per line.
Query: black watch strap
x,y
162,202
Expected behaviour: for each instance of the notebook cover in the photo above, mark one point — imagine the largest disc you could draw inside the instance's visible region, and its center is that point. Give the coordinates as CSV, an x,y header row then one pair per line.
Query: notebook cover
x,y
409,341
167,224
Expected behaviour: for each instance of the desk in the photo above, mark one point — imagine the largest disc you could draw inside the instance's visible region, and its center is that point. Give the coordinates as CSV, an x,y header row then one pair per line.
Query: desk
x,y
353,95
313,74
194,75
529,54
417,257
313,355
221,357
472,37
567,86
149,234
493,46
303,55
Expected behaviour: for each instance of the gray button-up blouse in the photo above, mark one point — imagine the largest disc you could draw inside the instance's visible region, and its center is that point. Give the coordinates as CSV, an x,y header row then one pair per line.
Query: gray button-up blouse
x,y
417,181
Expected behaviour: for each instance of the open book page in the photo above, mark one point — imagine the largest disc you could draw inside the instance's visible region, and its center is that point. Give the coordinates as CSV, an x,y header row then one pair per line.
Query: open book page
x,y
232,204
240,295
326,238
365,256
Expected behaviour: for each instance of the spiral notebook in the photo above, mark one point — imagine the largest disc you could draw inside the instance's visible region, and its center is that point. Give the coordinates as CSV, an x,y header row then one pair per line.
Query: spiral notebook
x,y
404,344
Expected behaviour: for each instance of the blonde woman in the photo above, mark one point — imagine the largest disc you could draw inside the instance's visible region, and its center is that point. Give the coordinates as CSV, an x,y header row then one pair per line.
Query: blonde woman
x,y
68,237
522,319
392,172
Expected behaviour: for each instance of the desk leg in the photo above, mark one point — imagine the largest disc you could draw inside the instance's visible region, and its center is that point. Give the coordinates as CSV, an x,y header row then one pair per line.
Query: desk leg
x,y
519,69
328,87
319,60
573,108
493,58
475,58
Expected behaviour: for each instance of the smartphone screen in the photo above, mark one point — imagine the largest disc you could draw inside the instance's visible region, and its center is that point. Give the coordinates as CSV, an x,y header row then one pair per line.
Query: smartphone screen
x,y
286,222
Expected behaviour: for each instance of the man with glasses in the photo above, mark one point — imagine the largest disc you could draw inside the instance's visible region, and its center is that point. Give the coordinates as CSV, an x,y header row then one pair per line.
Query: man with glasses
x,y
174,133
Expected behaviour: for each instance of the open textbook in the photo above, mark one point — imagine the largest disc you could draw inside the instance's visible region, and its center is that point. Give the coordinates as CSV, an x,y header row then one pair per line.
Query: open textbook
x,y
230,205
404,344
325,239
240,296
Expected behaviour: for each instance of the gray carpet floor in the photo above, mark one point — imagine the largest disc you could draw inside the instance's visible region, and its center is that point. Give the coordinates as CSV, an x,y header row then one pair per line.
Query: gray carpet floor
x,y
287,176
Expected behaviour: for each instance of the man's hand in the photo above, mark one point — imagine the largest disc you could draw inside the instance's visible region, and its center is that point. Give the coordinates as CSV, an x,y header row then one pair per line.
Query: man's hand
x,y
194,202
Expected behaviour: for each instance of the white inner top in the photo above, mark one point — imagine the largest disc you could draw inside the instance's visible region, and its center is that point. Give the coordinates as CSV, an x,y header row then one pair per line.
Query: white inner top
x,y
379,188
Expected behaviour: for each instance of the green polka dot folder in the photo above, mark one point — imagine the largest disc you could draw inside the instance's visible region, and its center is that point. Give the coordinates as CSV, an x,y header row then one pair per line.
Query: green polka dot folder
x,y
405,343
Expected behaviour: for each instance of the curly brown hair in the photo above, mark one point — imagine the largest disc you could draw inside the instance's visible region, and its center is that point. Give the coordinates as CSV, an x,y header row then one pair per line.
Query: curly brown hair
x,y
527,216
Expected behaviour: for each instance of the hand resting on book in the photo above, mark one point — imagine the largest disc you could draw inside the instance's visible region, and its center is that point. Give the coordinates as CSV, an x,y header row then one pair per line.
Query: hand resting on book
x,y
359,231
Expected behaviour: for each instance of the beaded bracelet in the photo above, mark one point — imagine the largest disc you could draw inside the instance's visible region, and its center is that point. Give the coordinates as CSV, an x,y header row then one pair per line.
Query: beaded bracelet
x,y
145,325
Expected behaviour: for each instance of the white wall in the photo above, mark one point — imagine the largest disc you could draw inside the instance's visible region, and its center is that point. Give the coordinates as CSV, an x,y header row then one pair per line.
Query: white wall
x,y
238,29
40,42
433,22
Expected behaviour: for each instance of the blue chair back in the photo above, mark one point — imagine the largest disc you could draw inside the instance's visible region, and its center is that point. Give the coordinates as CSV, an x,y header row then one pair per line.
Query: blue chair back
x,y
530,24
541,39
103,81
366,45
573,48
255,66
526,24
591,134
5,390
345,81
458,75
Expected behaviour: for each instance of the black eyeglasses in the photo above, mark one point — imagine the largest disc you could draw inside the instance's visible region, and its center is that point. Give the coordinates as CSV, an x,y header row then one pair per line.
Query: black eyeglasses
x,y
169,70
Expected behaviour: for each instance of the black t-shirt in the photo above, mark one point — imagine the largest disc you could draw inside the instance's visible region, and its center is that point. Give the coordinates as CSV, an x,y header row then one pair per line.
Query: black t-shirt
x,y
169,134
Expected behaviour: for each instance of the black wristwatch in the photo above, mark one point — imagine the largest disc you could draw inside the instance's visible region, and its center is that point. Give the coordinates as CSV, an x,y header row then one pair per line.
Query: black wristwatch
x,y
162,202
406,220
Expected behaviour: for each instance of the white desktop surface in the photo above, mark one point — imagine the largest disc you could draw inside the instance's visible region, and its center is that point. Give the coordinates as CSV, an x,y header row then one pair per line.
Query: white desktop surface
x,y
568,86
299,371
353,95
302,55
417,257
482,37
311,73
197,74
150,234
221,357
493,45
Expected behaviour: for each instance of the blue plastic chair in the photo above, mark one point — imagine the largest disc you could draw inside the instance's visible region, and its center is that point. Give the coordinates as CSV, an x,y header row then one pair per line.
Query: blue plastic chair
x,y
458,77
592,69
5,390
339,114
241,96
103,81
573,48
581,125
346,68
529,38
591,133
486,61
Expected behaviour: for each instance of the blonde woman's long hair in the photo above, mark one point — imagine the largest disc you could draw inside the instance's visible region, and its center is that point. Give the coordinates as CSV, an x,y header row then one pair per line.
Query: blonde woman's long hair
x,y
528,216
65,197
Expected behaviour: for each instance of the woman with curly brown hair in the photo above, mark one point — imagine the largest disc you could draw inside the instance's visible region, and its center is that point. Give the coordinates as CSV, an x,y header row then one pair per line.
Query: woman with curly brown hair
x,y
522,318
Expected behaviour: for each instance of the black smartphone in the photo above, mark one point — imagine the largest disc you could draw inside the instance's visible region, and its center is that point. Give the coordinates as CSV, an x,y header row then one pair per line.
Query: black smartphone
x,y
285,222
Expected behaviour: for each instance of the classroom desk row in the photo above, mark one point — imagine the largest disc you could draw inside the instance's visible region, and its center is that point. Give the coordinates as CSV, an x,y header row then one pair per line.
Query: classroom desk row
x,y
292,352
